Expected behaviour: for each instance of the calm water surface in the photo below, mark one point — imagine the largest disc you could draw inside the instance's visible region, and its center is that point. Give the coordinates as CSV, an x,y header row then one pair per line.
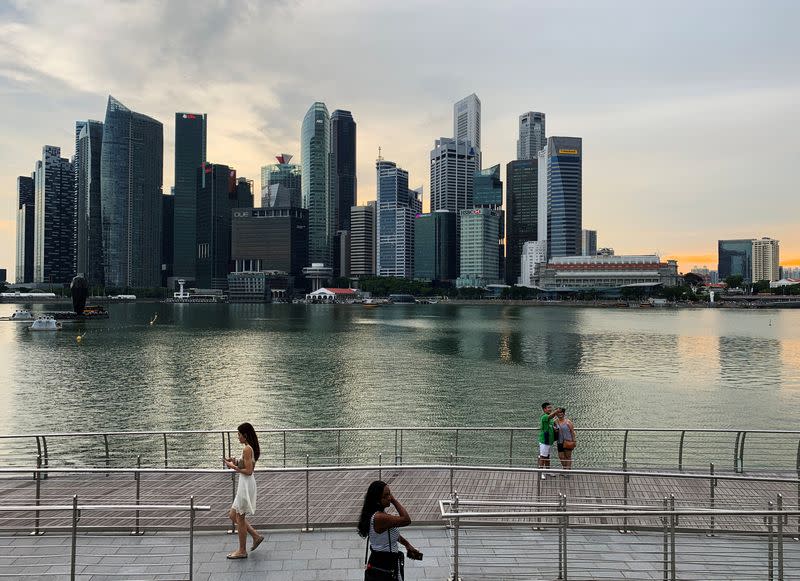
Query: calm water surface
x,y
212,366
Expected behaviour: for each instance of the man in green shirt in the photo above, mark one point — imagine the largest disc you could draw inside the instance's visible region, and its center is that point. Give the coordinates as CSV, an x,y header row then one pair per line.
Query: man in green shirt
x,y
547,435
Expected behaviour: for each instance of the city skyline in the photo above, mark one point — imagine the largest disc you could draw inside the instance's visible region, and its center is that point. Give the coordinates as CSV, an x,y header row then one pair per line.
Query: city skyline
x,y
647,187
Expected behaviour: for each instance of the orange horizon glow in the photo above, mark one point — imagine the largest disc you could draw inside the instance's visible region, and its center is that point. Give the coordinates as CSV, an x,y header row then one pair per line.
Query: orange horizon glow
x,y
689,261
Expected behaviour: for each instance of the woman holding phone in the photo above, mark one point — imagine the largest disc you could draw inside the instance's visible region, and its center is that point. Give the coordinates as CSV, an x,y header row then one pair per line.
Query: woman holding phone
x,y
244,503
385,561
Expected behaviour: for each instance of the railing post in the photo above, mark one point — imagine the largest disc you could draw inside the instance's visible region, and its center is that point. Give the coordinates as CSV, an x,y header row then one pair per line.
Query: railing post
x,y
46,456
625,449
108,455
736,452
284,448
566,527
625,480
664,522
380,466
38,476
712,485
401,447
456,523
165,451
137,476
224,455
396,447
680,451
510,448
38,455
451,474
798,452
780,537
307,528
673,521
191,538
770,546
74,549
741,452
338,447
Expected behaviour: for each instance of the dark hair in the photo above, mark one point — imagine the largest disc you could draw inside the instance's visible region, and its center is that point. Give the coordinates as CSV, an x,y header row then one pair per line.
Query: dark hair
x,y
372,504
563,410
545,404
246,429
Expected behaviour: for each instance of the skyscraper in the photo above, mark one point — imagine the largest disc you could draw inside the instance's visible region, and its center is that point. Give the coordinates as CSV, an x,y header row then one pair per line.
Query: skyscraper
x,y
315,148
453,167
522,212
269,239
363,229
343,167
766,260
89,225
54,239
532,137
467,123
26,228
487,188
283,176
190,154
397,209
588,242
735,259
564,196
435,246
480,232
131,170
218,194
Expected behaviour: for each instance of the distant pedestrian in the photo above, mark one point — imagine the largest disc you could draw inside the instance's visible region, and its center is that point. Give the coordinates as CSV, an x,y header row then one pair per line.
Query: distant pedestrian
x,y
547,435
565,431
244,503
385,562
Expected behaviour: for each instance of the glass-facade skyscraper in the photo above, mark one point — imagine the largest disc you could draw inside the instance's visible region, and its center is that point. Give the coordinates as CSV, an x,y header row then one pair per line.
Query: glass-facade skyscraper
x,y
522,201
488,188
26,226
343,167
54,238
453,167
190,154
735,259
467,124
281,180
397,209
532,137
89,225
564,196
435,246
315,148
131,171
479,258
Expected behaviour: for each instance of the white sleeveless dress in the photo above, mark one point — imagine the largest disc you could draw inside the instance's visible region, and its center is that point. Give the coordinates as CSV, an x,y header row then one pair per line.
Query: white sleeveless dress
x,y
245,500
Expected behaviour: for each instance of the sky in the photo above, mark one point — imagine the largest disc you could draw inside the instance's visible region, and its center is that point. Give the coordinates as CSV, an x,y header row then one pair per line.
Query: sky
x,y
689,110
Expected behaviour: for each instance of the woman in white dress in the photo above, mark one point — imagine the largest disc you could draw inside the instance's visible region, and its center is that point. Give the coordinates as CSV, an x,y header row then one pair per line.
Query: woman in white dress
x,y
245,502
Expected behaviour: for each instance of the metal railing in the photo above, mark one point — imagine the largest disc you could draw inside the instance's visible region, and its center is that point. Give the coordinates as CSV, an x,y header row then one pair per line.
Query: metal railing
x,y
520,540
299,496
734,450
44,557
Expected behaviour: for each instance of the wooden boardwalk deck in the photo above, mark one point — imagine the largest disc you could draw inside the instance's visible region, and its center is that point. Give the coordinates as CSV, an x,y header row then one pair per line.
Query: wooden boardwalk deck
x,y
334,497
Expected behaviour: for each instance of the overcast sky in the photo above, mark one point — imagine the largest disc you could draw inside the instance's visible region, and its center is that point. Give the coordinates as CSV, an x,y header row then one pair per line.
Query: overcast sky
x,y
688,110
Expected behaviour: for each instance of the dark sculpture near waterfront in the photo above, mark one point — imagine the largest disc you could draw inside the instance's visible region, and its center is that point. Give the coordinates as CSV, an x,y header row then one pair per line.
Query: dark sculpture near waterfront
x,y
80,290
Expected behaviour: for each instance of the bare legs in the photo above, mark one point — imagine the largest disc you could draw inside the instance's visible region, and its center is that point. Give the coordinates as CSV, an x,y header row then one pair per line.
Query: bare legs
x,y
242,529
566,459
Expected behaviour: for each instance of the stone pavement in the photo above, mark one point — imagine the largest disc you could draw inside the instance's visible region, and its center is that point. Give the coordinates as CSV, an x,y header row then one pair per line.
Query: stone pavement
x,y
332,554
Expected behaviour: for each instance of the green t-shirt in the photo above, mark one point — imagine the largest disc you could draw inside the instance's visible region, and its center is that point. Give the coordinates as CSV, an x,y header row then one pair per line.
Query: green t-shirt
x,y
547,434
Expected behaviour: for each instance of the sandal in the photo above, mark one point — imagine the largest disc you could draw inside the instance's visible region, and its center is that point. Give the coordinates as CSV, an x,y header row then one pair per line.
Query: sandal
x,y
235,556
256,542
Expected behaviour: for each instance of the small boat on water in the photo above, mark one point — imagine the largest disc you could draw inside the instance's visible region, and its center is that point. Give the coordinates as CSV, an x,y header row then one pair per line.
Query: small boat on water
x,y
19,315
45,323
371,303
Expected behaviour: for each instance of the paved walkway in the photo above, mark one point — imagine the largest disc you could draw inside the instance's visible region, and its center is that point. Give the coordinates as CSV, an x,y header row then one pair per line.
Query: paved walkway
x,y
486,553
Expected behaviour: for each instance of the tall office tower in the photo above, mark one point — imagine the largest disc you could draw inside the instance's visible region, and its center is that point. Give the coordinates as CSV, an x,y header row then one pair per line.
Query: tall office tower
x,y
167,237
480,232
343,167
54,239
588,242
190,154
564,195
131,171
487,188
766,260
218,194
735,258
363,229
522,199
89,226
435,246
453,167
26,227
467,123
542,221
283,175
397,208
532,137
315,147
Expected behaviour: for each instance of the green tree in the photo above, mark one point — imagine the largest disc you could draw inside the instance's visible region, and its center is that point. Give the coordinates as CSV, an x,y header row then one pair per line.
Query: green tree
x,y
693,279
734,281
762,286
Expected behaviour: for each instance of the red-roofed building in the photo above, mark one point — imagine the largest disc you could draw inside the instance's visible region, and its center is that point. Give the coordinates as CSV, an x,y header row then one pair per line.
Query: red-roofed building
x,y
333,295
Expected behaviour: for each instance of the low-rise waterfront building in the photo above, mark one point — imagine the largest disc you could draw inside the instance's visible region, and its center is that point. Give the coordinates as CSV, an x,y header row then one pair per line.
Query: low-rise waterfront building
x,y
332,295
579,273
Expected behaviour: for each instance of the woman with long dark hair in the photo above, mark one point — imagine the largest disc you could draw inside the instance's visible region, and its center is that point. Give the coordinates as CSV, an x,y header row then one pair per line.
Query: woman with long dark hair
x,y
245,501
385,561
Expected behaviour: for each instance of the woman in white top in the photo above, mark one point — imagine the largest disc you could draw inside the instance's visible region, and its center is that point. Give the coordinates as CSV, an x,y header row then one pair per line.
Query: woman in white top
x,y
245,501
385,561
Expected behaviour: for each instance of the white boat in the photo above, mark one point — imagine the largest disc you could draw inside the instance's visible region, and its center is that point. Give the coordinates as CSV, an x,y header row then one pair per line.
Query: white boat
x,y
20,315
45,323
